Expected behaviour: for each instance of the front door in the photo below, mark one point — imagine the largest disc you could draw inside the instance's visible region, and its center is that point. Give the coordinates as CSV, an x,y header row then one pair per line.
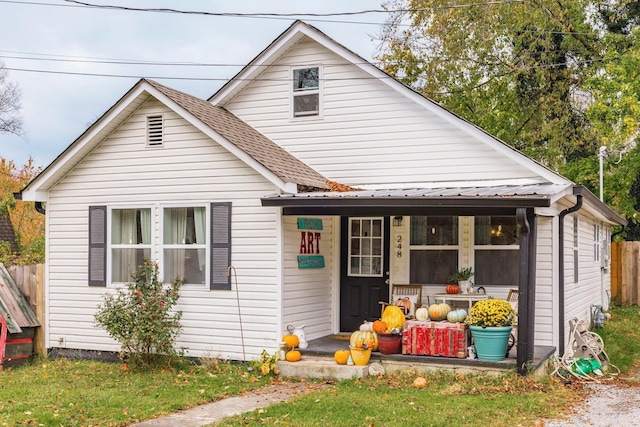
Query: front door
x,y
364,269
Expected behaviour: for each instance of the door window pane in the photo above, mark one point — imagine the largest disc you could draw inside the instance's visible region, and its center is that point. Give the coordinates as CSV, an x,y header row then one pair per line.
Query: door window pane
x,y
365,251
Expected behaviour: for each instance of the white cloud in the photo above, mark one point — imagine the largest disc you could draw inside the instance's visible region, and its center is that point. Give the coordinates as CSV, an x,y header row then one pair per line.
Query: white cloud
x,y
57,108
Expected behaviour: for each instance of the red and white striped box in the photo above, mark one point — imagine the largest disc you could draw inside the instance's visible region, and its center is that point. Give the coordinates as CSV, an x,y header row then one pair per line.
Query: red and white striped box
x,y
435,339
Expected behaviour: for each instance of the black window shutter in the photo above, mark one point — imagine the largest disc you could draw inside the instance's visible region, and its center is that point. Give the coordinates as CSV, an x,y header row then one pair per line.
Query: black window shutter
x,y
97,246
220,246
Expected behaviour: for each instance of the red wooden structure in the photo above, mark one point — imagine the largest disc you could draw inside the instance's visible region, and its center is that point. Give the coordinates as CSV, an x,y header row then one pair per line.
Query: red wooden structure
x,y
18,322
435,339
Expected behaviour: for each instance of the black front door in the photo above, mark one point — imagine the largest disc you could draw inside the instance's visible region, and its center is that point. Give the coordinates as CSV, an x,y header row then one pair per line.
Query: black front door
x,y
364,269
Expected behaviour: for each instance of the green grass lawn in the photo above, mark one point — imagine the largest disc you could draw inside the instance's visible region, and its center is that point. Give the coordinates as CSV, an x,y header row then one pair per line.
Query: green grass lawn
x,y
66,392
392,400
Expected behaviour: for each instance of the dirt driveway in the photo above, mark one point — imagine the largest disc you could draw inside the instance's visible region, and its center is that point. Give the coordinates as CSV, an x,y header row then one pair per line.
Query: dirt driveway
x,y
609,403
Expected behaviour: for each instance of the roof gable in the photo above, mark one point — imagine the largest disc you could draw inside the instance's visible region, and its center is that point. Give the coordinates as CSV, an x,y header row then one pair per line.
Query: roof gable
x,y
300,30
256,150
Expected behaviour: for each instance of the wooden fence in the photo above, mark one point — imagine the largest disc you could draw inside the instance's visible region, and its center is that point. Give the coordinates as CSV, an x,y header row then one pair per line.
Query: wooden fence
x,y
30,279
625,273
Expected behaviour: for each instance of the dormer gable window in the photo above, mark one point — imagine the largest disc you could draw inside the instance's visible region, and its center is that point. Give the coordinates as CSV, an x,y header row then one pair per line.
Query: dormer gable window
x,y
155,130
306,92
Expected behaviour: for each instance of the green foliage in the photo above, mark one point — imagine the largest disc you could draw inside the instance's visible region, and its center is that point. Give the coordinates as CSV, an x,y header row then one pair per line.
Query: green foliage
x,y
6,256
621,337
514,69
554,80
139,316
266,364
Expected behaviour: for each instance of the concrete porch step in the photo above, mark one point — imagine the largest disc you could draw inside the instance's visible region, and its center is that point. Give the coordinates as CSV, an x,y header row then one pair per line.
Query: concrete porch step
x,y
320,367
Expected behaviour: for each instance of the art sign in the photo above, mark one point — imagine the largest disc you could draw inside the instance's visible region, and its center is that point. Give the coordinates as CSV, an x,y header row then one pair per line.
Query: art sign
x,y
309,253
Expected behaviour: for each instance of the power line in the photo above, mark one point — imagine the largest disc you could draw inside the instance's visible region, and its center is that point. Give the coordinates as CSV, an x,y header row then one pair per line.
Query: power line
x,y
289,15
131,76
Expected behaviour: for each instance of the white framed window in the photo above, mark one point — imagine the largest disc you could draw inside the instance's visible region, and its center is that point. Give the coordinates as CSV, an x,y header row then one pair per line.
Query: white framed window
x,y
496,250
184,244
306,91
597,237
366,238
129,241
433,248
190,242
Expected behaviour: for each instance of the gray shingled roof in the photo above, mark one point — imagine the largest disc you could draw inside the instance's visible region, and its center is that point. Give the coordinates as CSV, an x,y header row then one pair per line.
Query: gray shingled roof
x,y
259,147
7,234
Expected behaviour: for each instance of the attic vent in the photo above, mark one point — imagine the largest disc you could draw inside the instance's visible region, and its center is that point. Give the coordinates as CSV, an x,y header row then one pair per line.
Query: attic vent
x,y
154,130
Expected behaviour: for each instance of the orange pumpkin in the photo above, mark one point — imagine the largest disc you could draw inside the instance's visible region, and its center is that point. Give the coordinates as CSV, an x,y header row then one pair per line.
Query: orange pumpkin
x,y
379,326
452,289
291,340
293,356
404,304
420,382
341,356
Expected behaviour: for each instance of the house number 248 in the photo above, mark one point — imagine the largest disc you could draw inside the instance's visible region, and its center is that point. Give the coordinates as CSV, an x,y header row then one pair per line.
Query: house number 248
x,y
398,246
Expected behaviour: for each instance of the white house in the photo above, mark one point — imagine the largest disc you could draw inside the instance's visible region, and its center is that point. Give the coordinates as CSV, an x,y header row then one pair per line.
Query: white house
x,y
232,193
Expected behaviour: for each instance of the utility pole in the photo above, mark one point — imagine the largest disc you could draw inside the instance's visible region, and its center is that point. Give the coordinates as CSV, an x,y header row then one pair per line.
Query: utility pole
x,y
601,154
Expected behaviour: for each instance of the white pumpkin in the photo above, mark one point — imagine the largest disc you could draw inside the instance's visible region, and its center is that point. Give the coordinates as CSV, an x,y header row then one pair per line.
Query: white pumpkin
x,y
456,316
422,314
366,326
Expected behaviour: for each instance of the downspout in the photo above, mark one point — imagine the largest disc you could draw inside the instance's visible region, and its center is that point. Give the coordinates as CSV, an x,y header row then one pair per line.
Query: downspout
x,y
577,191
40,208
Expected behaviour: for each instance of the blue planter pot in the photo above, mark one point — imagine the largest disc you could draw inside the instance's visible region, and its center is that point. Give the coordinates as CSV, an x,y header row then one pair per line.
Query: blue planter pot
x,y
490,343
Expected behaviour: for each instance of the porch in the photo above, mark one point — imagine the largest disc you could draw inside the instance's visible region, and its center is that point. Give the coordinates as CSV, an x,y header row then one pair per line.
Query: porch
x,y
317,362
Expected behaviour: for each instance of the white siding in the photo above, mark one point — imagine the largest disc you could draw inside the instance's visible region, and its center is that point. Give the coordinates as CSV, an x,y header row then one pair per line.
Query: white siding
x,y
308,292
363,122
594,284
545,309
190,168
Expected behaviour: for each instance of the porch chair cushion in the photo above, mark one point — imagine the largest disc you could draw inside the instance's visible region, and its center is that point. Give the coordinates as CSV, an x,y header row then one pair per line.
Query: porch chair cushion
x,y
412,298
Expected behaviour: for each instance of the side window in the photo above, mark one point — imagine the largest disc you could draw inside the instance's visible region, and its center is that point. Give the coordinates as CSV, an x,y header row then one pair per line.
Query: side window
x,y
130,242
184,244
305,92
194,241
433,248
596,242
496,250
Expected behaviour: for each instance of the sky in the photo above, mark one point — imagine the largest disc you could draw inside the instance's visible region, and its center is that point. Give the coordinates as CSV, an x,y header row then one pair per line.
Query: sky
x,y
58,52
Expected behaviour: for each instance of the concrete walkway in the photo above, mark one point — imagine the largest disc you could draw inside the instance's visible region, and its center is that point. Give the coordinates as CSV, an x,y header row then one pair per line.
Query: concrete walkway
x,y
212,412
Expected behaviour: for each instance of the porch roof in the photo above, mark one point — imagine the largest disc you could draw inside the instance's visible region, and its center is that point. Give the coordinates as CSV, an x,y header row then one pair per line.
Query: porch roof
x,y
406,201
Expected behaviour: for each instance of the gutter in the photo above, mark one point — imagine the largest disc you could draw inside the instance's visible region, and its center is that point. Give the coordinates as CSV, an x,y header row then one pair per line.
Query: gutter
x,y
577,191
39,206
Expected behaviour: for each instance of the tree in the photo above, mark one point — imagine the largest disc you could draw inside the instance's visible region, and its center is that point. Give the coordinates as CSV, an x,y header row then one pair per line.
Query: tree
x,y
515,69
10,120
556,79
28,224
